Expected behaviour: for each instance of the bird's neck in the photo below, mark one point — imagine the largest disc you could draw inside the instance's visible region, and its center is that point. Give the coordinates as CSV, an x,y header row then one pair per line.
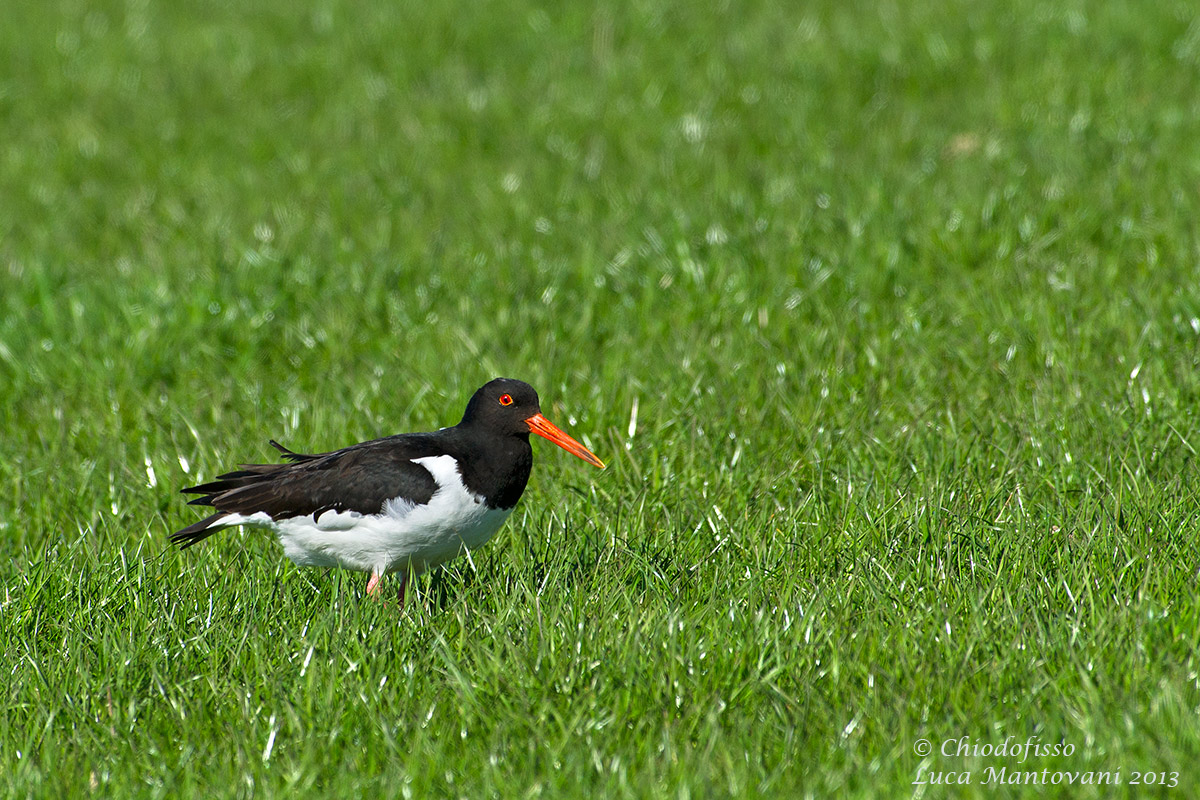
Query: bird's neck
x,y
494,466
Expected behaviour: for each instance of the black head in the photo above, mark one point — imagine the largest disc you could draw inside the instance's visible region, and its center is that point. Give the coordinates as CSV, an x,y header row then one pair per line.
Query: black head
x,y
511,408
502,406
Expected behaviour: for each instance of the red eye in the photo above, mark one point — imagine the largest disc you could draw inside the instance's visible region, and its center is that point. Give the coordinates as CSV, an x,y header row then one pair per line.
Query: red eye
x,y
506,399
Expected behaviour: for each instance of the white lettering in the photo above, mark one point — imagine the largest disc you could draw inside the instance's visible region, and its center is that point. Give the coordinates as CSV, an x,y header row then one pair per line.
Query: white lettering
x,y
960,778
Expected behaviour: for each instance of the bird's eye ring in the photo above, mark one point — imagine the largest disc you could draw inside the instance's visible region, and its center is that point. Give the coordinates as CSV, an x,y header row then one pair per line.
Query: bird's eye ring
x,y
506,400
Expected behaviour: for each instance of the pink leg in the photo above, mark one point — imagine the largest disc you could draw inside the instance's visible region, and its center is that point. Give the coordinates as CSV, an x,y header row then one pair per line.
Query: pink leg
x,y
373,584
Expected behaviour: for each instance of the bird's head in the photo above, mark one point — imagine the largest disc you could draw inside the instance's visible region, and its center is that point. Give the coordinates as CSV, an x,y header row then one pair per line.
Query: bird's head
x,y
508,406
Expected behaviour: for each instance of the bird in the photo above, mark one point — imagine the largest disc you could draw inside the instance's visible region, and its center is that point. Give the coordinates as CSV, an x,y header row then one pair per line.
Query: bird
x,y
405,503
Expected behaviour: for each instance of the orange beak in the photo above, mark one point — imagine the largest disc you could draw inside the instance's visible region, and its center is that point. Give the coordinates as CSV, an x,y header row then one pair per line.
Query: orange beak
x,y
547,429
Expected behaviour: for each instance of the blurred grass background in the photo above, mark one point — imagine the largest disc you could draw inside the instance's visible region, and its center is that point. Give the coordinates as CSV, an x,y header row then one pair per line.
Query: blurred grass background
x,y
884,315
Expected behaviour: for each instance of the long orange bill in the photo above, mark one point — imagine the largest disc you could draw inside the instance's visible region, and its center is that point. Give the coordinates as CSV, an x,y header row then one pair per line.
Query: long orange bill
x,y
547,429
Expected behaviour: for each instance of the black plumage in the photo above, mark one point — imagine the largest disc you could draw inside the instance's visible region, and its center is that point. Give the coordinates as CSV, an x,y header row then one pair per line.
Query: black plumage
x,y
490,445
404,503
358,478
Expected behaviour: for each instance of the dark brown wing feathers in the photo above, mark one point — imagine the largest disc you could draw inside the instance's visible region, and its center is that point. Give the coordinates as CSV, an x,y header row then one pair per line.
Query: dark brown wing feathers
x,y
359,478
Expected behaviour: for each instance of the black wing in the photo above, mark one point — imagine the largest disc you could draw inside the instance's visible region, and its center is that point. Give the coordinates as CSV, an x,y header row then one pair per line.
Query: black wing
x,y
359,478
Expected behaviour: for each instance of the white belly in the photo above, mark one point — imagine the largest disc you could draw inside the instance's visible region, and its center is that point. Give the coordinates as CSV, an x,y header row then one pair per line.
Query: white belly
x,y
403,536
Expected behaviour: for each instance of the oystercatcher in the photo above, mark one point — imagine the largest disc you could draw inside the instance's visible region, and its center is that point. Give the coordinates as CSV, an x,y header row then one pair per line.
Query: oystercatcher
x,y
403,503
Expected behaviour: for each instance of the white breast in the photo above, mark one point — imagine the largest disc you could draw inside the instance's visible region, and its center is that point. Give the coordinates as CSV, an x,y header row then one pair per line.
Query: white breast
x,y
404,535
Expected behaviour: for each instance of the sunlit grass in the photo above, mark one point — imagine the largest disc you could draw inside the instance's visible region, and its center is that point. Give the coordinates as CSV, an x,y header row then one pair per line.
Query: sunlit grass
x,y
884,318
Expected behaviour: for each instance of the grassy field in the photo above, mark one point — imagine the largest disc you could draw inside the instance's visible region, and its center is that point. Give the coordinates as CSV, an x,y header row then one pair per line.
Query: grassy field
x,y
885,316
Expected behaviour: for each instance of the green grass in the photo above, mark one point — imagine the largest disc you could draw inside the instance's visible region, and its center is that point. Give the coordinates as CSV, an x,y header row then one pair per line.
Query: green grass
x,y
906,296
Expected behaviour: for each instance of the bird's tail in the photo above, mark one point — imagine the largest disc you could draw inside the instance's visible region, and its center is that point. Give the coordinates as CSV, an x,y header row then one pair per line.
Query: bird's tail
x,y
198,531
